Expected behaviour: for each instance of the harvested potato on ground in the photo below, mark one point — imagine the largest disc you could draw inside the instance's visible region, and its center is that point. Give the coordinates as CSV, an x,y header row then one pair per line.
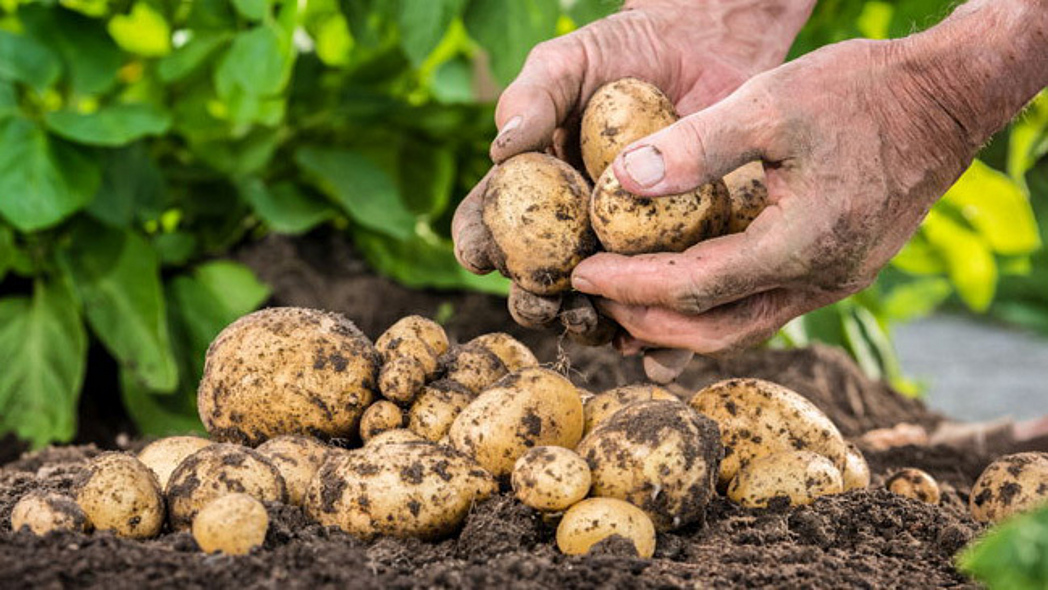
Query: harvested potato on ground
x,y
401,379
800,476
659,455
287,370
379,417
297,458
436,408
512,352
472,366
535,207
550,479
44,512
591,521
233,524
402,490
758,418
749,195
914,483
528,408
414,336
603,405
397,435
618,114
856,473
162,456
122,495
1011,484
218,470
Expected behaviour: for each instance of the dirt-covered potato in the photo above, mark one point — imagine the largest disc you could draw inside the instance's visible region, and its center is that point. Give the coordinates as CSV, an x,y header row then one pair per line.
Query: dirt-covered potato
x,y
591,521
550,479
436,408
758,418
584,324
472,366
531,310
659,455
414,336
401,379
531,407
402,490
163,455
749,195
914,483
618,114
1011,484
800,476
215,471
379,417
535,208
233,524
603,405
297,458
44,512
856,472
395,436
122,495
630,224
512,352
287,370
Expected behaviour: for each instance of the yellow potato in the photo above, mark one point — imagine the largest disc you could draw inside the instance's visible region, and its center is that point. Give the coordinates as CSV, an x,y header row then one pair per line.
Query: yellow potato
x,y
591,521
749,195
618,114
414,336
473,367
379,417
401,379
233,524
297,458
1011,484
914,483
512,352
397,435
800,476
602,406
122,495
550,479
436,408
43,512
856,471
163,455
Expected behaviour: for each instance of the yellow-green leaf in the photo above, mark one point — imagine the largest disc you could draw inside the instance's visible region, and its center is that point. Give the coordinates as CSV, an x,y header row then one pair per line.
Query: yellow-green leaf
x,y
971,264
997,208
143,31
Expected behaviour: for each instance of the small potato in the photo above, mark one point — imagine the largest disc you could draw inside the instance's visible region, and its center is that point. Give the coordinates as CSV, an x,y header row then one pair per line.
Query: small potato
x,y
287,370
122,495
618,114
758,418
436,408
162,456
528,408
591,521
856,473
402,490
397,435
530,310
1011,484
800,476
218,470
233,524
550,479
603,405
414,336
474,367
401,379
297,458
380,417
749,195
914,483
535,208
44,512
512,352
659,455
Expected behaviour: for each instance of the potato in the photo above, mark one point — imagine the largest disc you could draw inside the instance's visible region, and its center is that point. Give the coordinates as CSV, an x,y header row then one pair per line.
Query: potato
x,y
122,495
658,455
758,418
163,455
297,458
591,521
584,324
856,472
603,405
749,195
1011,484
472,366
530,310
512,352
218,470
914,483
618,114
550,479
436,408
380,417
800,476
44,512
528,408
397,435
630,224
287,371
414,336
233,524
401,379
402,490
535,208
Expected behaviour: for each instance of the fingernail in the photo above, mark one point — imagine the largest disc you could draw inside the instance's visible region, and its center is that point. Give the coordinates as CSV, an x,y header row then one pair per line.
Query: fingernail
x,y
509,127
645,165
582,284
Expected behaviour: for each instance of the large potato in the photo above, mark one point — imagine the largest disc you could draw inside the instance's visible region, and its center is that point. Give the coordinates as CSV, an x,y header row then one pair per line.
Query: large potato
x,y
297,458
122,495
529,408
591,521
1011,484
550,479
163,455
535,208
397,489
603,405
618,114
43,512
758,418
287,371
658,455
800,476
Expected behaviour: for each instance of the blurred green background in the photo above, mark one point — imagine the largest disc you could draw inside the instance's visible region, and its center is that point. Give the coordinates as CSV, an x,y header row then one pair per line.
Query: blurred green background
x,y
141,140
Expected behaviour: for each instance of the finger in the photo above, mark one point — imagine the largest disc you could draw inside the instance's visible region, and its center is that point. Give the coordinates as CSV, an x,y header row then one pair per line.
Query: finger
x,y
663,365
471,237
531,310
584,324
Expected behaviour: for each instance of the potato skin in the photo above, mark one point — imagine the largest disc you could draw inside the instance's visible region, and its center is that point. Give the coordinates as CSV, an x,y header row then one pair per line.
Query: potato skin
x,y
121,494
398,489
395,436
163,455
661,456
287,371
748,194
604,405
550,478
233,524
473,367
591,521
531,407
618,114
758,418
535,208
914,483
297,458
512,352
436,408
1011,484
44,512
800,476
856,472
405,336
379,417
402,378
218,470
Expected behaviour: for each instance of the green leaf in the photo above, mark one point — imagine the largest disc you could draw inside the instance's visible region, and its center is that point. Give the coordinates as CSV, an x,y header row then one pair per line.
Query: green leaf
x,y
1028,140
913,300
911,16
251,9
427,176
334,41
111,126
87,52
508,30
972,268
285,208
918,257
423,23
997,207
234,287
41,180
44,347
1012,555
187,59
24,59
160,415
360,187
8,99
240,156
255,64
453,81
7,250
584,12
143,31
132,187
118,277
